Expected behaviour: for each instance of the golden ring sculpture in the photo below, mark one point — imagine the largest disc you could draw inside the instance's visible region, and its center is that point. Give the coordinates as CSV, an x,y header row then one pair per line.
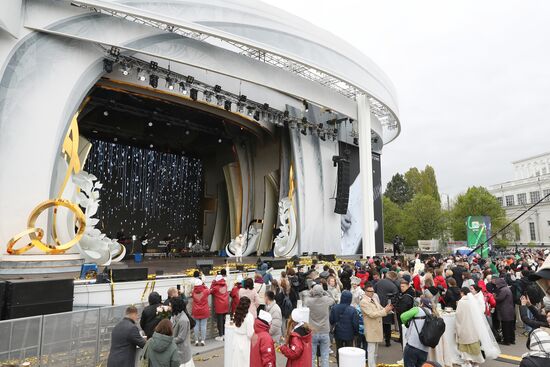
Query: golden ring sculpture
x,y
36,234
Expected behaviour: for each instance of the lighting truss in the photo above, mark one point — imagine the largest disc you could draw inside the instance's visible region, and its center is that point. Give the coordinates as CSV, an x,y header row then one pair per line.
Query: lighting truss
x,y
383,113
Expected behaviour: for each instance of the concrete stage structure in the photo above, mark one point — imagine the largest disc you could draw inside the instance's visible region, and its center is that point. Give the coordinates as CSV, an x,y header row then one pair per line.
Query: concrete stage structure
x,y
286,120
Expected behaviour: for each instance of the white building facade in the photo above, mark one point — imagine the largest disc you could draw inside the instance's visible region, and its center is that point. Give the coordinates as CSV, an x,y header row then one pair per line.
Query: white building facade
x,y
531,183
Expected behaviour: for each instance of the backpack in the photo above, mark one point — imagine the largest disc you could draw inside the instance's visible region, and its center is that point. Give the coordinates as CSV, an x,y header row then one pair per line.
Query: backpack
x,y
432,331
286,306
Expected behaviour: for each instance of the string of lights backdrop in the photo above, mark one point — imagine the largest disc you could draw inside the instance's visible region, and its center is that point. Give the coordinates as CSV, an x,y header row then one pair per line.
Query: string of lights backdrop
x,y
146,191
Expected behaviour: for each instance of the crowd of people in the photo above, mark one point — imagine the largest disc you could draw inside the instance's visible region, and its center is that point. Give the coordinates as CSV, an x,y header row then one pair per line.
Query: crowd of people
x,y
310,312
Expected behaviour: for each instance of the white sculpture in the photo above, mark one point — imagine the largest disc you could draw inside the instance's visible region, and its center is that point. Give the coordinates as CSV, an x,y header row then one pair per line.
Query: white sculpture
x,y
285,242
94,245
245,243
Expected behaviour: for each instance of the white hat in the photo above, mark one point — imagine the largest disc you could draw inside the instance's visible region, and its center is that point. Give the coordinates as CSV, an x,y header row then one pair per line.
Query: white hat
x,y
198,282
300,315
218,278
266,316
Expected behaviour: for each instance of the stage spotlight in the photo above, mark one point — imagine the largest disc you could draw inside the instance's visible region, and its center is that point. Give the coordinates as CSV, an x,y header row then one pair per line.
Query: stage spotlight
x,y
219,100
266,106
105,113
141,75
306,105
170,82
220,140
107,65
356,141
240,107
154,80
323,136
207,96
194,94
304,130
154,65
187,132
182,87
227,105
242,98
115,140
114,51
190,79
250,110
150,124
257,115
125,68
286,114
217,88
151,145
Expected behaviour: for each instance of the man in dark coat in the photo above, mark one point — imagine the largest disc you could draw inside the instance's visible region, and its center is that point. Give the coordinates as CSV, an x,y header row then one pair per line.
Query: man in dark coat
x,y
149,319
505,311
386,289
345,320
457,274
124,340
405,303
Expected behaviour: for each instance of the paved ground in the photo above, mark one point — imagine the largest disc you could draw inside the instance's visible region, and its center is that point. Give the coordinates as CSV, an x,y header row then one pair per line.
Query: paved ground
x,y
212,354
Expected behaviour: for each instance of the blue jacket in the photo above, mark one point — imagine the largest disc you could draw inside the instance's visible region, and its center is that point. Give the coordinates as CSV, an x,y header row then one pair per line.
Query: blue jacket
x,y
344,318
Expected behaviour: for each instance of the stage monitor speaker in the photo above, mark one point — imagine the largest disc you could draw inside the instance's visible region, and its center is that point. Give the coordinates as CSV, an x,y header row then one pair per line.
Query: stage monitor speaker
x,y
205,266
26,298
330,257
129,274
277,264
240,267
342,190
2,299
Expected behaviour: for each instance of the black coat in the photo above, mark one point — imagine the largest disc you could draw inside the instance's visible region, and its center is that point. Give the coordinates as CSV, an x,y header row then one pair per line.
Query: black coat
x,y
505,301
344,318
457,274
149,319
124,340
406,301
385,288
452,295
534,362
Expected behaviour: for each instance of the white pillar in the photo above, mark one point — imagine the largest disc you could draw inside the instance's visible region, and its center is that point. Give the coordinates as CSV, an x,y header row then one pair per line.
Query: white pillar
x,y
365,166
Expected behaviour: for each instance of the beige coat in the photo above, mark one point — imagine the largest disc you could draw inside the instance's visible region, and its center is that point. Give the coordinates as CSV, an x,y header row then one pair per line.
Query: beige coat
x,y
372,319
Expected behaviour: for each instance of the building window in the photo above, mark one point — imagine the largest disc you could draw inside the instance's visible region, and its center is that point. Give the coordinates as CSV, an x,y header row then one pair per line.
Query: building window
x,y
532,231
534,196
499,199
509,200
522,198
546,192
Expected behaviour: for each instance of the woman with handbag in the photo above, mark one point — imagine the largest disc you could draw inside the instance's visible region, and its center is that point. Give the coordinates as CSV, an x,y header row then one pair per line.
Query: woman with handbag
x,y
182,332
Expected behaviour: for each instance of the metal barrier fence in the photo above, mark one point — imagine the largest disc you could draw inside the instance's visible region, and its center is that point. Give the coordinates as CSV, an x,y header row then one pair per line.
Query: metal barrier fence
x,y
78,338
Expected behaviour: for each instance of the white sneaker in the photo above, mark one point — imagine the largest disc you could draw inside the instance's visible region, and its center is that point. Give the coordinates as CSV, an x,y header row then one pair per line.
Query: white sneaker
x,y
196,343
202,343
219,338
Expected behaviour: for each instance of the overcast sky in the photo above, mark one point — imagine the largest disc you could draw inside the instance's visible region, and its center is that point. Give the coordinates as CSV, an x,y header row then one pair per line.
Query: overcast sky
x,y
472,79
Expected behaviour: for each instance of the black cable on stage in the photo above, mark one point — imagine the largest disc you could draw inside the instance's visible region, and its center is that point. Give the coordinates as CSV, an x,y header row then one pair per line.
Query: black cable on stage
x,y
506,226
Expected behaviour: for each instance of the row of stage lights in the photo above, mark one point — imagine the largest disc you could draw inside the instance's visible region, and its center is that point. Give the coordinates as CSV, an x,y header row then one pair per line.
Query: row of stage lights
x,y
215,95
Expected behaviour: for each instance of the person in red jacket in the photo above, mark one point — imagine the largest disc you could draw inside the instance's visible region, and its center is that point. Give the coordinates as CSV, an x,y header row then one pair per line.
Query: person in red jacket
x,y
439,280
298,339
262,348
235,295
219,292
200,310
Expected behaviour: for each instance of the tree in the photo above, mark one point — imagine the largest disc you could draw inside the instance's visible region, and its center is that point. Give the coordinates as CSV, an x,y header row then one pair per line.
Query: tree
x,y
422,219
476,201
393,215
398,190
423,182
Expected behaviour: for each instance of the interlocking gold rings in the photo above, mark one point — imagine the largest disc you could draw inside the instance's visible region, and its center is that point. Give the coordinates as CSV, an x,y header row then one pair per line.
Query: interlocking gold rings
x,y
36,234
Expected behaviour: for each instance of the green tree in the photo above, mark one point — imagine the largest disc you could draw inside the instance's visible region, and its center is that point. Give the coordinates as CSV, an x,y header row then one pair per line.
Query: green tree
x,y
422,219
393,216
398,190
476,201
423,182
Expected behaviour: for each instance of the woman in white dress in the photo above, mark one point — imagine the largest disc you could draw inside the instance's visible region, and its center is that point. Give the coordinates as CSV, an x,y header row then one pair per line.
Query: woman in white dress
x,y
240,344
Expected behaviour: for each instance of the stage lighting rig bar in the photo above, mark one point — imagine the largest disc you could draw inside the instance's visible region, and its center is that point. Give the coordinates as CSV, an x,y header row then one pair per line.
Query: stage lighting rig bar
x,y
384,114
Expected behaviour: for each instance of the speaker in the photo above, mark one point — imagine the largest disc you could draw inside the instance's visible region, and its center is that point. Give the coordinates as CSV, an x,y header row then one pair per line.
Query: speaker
x,y
2,299
277,264
205,266
330,257
129,274
26,298
342,190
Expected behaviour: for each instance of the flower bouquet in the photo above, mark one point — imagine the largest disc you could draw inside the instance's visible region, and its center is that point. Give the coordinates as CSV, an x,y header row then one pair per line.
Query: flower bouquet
x,y
164,312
